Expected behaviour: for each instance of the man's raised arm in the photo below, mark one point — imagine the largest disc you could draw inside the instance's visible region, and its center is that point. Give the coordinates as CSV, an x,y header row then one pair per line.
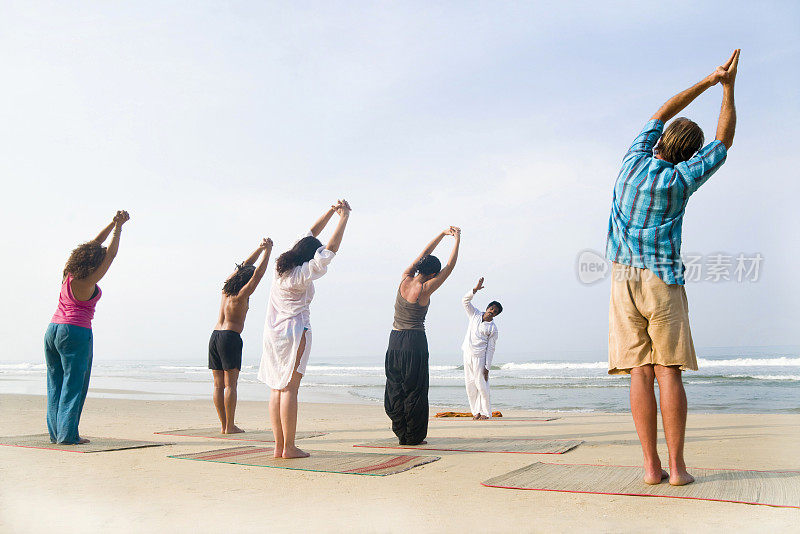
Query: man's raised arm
x,y
726,125
466,300
677,103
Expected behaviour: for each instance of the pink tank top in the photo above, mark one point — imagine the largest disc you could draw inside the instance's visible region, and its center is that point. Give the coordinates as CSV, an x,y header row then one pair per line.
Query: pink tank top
x,y
73,311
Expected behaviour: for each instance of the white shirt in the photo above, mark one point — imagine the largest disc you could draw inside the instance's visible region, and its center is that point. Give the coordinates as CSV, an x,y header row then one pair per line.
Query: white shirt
x,y
287,315
481,335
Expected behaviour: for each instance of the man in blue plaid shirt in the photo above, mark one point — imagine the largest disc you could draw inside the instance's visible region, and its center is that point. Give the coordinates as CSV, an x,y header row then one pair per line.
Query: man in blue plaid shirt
x,y
649,335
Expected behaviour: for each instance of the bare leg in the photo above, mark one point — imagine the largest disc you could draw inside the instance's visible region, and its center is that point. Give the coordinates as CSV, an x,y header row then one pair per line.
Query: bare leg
x,y
219,397
643,409
275,421
231,382
673,414
289,408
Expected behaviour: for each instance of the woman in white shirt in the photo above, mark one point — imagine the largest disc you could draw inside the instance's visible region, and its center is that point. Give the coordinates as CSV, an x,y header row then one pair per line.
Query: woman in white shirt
x,y
287,331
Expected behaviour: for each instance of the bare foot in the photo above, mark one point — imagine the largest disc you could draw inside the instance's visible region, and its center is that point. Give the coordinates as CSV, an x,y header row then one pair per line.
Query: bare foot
x,y
654,476
233,430
81,441
680,478
294,452
278,451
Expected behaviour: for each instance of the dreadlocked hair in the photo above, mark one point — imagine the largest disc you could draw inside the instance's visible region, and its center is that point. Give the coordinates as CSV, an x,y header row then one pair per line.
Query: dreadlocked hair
x,y
237,281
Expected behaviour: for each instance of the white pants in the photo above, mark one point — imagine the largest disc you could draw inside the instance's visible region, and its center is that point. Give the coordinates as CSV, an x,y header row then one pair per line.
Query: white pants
x,y
477,385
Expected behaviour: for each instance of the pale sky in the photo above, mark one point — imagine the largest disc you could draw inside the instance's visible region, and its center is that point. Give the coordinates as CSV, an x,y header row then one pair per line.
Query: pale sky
x,y
217,124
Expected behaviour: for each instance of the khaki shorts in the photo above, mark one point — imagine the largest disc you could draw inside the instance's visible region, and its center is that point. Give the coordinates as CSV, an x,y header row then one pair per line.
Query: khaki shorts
x,y
648,322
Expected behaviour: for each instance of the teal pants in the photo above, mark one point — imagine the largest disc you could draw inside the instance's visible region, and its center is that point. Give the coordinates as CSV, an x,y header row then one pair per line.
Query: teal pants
x,y
68,354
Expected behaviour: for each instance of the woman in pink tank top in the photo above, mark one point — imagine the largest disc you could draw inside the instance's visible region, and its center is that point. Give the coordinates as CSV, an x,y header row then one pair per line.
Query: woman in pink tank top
x,y
68,340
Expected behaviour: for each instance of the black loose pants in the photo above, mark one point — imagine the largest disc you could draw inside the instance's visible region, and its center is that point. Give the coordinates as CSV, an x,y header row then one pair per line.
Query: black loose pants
x,y
406,396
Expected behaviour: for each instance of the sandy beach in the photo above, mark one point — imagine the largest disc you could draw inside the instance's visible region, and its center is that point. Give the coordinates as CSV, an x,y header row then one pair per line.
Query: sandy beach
x,y
144,490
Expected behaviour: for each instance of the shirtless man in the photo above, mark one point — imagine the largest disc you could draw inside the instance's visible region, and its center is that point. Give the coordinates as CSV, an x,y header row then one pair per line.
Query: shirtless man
x,y
225,346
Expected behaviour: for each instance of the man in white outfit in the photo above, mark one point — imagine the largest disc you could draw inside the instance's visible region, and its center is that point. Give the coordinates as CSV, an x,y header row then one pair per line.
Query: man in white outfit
x,y
478,348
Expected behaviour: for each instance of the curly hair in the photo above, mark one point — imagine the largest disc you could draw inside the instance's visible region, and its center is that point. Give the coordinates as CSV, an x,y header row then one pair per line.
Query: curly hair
x,y
85,259
429,264
237,281
300,253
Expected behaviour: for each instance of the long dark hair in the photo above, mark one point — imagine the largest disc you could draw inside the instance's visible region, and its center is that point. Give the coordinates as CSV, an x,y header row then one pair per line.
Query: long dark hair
x,y
429,265
85,259
300,253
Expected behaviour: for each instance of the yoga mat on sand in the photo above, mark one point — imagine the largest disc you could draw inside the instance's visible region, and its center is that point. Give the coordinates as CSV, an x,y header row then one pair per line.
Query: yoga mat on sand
x,y
494,419
772,488
353,463
463,414
511,445
255,435
42,441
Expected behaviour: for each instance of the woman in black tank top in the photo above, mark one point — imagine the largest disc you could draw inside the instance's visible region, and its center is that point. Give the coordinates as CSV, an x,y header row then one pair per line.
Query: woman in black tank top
x,y
406,395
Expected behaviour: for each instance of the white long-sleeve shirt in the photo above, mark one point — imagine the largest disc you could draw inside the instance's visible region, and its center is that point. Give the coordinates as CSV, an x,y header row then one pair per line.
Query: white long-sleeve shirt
x,y
288,314
481,335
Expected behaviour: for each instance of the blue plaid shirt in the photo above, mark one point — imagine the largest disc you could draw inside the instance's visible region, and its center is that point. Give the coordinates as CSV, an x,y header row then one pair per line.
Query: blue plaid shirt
x,y
650,197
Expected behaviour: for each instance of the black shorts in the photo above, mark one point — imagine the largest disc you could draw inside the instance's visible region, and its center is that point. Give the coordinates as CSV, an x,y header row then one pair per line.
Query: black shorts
x,y
225,350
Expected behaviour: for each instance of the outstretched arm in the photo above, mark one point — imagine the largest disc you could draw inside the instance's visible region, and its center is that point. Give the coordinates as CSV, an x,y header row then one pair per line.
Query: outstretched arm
x,y
319,226
343,209
435,283
104,233
265,247
677,103
427,250
726,125
251,259
119,219
466,301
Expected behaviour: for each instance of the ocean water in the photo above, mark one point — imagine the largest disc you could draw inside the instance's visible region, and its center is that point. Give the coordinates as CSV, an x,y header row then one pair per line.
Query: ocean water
x,y
737,381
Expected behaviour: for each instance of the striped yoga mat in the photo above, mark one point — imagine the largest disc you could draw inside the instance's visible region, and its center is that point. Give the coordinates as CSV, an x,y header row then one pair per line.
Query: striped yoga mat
x,y
254,435
494,419
511,445
352,463
772,488
42,441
